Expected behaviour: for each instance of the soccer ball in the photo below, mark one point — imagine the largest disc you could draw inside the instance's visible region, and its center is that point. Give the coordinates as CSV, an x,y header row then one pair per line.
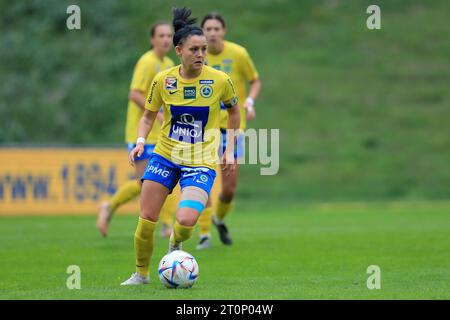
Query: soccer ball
x,y
178,269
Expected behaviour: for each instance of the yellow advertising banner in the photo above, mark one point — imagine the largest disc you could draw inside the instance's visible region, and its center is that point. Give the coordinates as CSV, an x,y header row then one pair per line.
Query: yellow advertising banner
x,y
61,180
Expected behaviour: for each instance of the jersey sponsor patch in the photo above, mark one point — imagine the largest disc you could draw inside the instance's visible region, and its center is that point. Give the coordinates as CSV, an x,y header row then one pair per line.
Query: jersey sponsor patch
x,y
188,123
171,83
158,170
206,81
190,92
227,66
152,89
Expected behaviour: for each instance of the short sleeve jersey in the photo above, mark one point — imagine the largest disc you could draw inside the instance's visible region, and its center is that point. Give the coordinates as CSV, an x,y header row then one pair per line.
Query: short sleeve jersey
x,y
235,61
190,132
145,70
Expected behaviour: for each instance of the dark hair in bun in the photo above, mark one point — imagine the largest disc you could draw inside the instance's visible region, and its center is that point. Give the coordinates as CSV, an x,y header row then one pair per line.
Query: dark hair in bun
x,y
184,26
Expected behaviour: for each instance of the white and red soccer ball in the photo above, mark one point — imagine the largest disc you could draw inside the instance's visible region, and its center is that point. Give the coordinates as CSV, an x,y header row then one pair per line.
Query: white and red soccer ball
x,y
178,269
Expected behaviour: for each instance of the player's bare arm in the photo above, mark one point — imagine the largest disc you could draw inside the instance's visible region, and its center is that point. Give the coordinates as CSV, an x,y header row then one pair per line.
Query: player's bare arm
x,y
255,88
139,98
145,125
234,121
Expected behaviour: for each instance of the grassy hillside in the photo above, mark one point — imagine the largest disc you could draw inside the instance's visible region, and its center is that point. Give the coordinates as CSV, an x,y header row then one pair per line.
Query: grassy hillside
x,y
362,114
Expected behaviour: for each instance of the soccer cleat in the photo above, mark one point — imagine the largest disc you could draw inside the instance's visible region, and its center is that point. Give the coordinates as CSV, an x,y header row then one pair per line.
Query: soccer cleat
x,y
136,279
166,230
205,243
223,232
174,247
103,218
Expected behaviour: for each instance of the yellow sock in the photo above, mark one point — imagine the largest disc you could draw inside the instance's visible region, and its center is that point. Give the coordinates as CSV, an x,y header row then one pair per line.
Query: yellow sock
x,y
222,209
143,245
128,191
181,233
205,222
170,206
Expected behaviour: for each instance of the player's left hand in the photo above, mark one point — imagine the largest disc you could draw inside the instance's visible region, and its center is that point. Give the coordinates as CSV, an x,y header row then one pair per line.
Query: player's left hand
x,y
251,113
227,168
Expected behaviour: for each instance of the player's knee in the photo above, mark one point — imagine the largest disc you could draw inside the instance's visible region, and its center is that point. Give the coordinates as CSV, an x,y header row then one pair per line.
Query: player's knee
x,y
187,220
149,215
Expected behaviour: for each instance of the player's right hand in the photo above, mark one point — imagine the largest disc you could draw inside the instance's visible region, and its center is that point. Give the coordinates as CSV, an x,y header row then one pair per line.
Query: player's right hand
x,y
137,151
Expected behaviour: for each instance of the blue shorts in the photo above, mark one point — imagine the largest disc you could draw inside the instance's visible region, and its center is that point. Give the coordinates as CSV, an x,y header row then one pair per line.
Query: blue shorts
x,y
148,151
238,148
167,173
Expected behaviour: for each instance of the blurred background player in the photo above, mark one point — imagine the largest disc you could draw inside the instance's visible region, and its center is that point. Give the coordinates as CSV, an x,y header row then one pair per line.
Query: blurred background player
x,y
148,65
191,95
234,60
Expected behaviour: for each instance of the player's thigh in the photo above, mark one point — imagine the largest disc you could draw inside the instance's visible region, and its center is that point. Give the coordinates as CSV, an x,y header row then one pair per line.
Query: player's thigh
x,y
153,195
196,186
159,178
139,169
229,182
216,188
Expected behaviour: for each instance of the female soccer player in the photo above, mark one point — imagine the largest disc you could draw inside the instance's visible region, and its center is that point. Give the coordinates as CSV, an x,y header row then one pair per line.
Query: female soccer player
x,y
236,62
186,152
146,68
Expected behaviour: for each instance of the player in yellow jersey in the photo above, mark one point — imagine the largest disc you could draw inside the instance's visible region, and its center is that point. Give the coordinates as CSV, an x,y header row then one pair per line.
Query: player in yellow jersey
x,y
236,62
186,152
146,68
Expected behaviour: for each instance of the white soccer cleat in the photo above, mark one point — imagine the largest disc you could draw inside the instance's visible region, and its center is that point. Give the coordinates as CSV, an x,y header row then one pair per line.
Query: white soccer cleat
x,y
136,279
103,218
174,247
205,243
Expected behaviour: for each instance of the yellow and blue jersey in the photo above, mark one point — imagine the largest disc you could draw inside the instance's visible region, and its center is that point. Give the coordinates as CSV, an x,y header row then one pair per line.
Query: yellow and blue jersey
x,y
145,70
191,109
235,61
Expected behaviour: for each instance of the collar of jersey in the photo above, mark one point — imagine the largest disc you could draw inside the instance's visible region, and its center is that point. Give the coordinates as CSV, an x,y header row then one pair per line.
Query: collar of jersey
x,y
152,52
225,45
189,80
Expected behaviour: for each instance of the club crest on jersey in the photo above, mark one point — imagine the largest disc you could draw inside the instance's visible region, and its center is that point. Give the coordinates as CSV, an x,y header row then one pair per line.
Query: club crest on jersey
x,y
171,83
206,91
227,65
188,123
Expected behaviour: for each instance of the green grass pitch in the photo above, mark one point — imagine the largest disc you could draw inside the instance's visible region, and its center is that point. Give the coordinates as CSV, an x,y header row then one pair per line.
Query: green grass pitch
x,y
309,251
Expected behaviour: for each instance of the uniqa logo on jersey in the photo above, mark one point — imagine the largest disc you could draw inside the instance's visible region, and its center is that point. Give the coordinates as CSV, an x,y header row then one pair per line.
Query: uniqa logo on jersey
x,y
188,123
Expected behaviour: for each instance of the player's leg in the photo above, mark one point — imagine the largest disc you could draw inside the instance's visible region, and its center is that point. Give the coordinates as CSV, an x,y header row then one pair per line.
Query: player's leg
x,y
196,185
223,202
205,219
223,205
158,181
152,199
126,192
168,212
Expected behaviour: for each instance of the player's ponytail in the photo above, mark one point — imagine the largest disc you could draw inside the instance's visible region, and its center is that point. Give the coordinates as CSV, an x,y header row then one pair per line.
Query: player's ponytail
x,y
183,25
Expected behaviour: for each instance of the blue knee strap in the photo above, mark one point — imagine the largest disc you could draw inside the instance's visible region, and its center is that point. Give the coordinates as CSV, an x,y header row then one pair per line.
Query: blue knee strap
x,y
191,204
